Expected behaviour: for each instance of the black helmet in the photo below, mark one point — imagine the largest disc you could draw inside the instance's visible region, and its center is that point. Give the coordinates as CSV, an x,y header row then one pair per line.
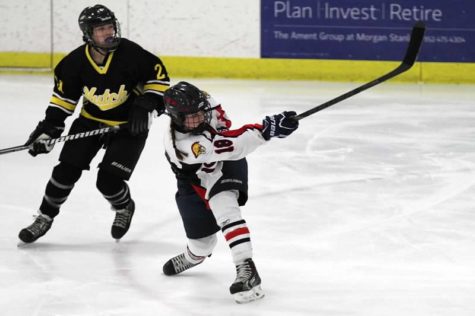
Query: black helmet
x,y
183,99
98,15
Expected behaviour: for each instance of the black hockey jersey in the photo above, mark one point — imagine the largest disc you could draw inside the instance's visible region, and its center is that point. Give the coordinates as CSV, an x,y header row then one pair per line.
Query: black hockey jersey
x,y
108,90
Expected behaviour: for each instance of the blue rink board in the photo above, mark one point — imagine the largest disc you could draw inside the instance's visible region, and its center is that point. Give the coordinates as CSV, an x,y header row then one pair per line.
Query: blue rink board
x,y
366,29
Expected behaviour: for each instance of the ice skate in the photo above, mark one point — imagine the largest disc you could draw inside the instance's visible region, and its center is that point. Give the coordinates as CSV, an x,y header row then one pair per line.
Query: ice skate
x,y
178,264
122,220
39,227
247,286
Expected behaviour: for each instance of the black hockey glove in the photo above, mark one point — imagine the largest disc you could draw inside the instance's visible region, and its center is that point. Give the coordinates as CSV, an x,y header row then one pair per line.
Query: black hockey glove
x,y
44,131
141,114
279,125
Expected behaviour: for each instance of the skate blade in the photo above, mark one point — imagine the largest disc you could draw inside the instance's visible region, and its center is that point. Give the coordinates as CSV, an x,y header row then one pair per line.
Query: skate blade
x,y
22,244
254,294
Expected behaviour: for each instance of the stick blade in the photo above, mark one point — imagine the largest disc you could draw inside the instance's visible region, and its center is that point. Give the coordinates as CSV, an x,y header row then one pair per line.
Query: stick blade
x,y
417,36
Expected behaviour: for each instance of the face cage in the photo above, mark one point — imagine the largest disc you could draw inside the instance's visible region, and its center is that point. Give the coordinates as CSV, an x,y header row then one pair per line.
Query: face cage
x,y
178,120
115,42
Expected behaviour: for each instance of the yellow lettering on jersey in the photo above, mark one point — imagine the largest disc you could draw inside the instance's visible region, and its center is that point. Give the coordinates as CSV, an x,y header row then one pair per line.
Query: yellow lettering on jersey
x,y
108,100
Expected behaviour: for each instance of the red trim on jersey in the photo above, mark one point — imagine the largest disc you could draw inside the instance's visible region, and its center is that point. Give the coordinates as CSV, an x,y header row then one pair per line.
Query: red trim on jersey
x,y
201,193
236,232
221,116
242,130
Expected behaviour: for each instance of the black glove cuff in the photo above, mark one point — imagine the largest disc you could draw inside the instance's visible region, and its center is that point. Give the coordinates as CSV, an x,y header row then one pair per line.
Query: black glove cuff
x,y
53,128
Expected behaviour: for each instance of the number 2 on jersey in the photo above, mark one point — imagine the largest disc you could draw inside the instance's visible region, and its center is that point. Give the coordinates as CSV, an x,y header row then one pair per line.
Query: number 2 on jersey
x,y
159,70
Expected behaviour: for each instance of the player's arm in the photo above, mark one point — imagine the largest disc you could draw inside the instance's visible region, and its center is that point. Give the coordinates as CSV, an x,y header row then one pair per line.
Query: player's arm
x,y
219,119
66,94
228,145
155,81
237,144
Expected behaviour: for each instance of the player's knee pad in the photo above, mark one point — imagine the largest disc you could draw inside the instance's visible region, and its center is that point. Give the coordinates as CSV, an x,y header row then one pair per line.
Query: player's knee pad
x,y
66,174
108,183
203,246
225,207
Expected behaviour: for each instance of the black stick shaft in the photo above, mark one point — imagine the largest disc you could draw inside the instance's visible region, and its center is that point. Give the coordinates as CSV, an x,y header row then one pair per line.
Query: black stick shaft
x,y
417,35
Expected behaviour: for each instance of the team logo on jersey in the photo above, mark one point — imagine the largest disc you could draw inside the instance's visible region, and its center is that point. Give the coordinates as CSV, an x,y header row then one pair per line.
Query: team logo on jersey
x,y
108,100
197,149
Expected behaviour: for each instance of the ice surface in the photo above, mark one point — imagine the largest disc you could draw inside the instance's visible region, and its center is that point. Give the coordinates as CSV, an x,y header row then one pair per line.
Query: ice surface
x,y
368,209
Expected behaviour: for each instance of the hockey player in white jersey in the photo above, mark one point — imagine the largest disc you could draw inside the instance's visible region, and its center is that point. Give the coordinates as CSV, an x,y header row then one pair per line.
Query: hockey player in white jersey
x,y
211,170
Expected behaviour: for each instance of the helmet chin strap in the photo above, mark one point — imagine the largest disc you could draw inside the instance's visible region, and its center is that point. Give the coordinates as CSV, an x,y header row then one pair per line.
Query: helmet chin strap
x,y
102,50
99,50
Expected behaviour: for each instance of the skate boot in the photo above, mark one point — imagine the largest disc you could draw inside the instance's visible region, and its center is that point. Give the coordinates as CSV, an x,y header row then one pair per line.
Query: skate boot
x,y
247,286
180,263
122,220
39,227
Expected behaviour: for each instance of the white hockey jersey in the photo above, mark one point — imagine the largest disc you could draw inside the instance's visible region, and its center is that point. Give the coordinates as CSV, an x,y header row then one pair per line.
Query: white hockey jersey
x,y
210,148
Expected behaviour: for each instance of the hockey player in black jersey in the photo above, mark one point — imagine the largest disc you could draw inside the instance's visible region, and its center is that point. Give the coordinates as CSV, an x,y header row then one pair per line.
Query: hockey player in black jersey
x,y
121,84
211,170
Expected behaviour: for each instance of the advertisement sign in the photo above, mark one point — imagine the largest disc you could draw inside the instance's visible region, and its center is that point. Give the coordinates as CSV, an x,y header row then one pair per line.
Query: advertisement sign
x,y
367,29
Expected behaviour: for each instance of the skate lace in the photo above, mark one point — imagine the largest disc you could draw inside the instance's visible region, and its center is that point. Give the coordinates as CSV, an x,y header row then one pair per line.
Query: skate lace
x,y
122,218
244,272
39,226
181,264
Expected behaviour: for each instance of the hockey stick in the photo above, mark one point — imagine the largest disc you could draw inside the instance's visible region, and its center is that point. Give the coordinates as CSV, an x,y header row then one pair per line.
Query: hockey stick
x,y
417,35
66,138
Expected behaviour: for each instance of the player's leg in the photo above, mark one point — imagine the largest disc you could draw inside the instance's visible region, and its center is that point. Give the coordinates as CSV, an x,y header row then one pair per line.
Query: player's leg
x,y
122,155
200,228
195,253
74,158
228,194
116,191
